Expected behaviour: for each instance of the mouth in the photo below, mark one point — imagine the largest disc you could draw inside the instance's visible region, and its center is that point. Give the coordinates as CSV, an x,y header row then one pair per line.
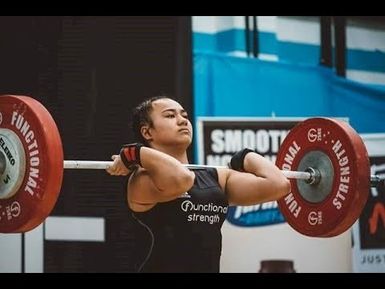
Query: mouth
x,y
184,130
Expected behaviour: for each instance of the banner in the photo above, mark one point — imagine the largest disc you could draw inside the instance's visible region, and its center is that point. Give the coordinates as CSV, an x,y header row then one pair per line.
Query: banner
x,y
219,138
369,230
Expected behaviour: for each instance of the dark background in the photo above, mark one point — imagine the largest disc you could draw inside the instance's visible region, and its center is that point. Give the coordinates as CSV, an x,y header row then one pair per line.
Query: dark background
x,y
89,72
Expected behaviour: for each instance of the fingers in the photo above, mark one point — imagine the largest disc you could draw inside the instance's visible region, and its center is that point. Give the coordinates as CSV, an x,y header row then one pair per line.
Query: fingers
x,y
117,168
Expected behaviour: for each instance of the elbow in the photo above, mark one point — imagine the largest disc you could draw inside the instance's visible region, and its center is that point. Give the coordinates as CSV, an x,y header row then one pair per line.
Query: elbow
x,y
186,181
182,182
283,187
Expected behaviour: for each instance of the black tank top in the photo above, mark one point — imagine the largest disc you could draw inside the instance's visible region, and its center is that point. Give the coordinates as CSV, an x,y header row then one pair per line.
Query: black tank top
x,y
185,233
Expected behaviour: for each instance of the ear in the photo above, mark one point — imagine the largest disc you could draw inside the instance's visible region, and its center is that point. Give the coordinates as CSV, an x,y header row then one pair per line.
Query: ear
x,y
146,133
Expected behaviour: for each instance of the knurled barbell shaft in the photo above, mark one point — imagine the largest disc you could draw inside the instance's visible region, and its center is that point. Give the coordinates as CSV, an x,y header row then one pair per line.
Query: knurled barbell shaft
x,y
72,164
102,165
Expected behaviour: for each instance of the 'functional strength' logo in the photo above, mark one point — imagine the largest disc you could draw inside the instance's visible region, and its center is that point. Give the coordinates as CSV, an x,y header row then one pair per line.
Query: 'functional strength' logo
x,y
208,213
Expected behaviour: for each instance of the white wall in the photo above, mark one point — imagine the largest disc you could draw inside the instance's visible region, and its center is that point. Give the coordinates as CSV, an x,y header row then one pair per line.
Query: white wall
x,y
54,228
244,248
10,252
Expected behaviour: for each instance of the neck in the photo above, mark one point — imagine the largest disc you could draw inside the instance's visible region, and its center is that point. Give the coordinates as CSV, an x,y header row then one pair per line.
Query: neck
x,y
178,153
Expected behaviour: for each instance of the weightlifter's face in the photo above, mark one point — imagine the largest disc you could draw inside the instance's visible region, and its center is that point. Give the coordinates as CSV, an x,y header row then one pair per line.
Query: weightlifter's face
x,y
171,125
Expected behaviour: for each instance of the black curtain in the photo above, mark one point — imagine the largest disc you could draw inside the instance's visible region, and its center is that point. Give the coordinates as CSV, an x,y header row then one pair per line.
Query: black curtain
x,y
89,72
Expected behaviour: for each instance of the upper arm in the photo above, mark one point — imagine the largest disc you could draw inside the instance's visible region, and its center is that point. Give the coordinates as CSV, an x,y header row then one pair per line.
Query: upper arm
x,y
246,189
141,190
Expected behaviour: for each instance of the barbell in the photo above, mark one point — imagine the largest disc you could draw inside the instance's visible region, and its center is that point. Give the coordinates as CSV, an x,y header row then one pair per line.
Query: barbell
x,y
325,160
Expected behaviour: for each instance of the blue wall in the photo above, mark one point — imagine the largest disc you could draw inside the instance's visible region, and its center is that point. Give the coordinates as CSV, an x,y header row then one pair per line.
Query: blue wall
x,y
234,40
233,86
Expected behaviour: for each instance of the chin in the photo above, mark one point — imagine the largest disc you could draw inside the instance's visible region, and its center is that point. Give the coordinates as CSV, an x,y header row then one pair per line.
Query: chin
x,y
186,142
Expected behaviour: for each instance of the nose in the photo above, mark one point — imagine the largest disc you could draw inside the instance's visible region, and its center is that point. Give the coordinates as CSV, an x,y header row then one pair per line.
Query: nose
x,y
182,120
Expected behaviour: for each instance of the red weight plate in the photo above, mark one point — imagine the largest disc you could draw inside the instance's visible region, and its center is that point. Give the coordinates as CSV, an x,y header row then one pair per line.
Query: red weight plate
x,y
364,179
38,192
351,181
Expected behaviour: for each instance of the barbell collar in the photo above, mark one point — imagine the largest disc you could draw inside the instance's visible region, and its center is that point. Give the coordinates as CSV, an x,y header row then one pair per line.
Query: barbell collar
x,y
315,176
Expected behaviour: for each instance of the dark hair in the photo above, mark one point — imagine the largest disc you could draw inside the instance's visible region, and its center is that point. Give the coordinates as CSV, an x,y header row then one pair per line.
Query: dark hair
x,y
141,117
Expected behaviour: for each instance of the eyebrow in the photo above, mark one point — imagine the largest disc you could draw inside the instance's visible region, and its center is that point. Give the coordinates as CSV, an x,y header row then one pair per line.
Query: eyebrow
x,y
173,110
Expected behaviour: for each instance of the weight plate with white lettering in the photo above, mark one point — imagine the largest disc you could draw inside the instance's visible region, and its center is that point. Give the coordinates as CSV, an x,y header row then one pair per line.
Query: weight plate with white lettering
x,y
31,148
329,206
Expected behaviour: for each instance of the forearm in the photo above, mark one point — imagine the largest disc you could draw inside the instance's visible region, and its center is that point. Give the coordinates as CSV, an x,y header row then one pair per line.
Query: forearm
x,y
264,168
167,173
254,179
260,166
